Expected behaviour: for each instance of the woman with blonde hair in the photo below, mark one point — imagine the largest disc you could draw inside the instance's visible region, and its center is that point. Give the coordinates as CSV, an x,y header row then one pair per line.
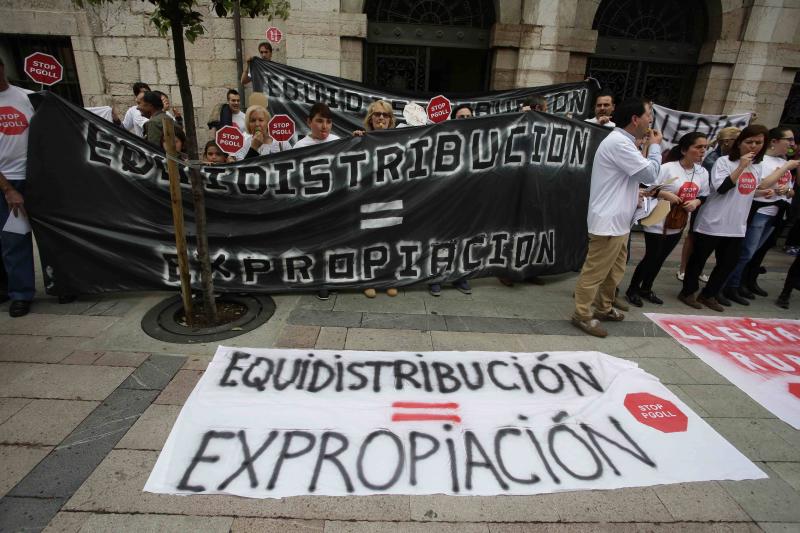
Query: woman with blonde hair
x,y
257,141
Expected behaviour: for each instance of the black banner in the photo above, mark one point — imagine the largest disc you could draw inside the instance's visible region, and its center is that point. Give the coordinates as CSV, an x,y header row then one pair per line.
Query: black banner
x,y
292,91
500,195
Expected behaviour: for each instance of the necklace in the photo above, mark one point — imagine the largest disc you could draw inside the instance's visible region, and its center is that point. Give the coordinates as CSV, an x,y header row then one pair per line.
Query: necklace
x,y
686,172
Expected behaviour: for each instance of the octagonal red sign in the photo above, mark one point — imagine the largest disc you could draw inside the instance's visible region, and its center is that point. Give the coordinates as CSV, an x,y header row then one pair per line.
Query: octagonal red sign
x,y
438,109
12,121
794,388
281,127
229,139
43,68
656,412
274,35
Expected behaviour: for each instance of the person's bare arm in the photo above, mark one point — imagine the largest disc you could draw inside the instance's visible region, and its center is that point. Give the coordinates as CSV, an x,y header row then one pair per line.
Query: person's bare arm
x,y
13,197
773,178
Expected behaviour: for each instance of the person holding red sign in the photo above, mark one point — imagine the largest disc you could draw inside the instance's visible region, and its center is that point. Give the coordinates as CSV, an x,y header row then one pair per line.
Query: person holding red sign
x,y
686,181
762,217
722,222
257,141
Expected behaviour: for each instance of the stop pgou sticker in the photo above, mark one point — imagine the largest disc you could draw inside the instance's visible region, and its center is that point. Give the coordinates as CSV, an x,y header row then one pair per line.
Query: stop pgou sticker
x,y
12,121
688,191
656,412
794,388
746,183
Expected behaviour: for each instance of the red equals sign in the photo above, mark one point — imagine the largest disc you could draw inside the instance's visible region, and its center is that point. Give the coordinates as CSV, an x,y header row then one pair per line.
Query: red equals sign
x,y
425,412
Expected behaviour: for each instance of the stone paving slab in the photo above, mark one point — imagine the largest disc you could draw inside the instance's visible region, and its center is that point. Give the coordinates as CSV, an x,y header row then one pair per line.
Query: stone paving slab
x,y
11,406
700,502
151,430
331,338
45,422
259,525
356,302
37,348
133,359
155,373
154,523
69,382
726,401
56,326
788,471
294,336
388,339
755,439
403,321
178,390
16,462
403,527
325,318
27,514
65,522
767,500
636,527
778,527
82,357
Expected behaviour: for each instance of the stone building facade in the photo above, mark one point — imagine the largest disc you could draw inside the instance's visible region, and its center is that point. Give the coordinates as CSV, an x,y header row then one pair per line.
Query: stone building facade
x,y
742,55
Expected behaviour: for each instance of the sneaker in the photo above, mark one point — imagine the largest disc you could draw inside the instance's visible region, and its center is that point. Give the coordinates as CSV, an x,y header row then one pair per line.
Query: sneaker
x,y
703,278
711,303
680,275
732,294
723,301
689,300
757,290
651,297
323,294
435,289
463,286
592,327
792,250
633,298
782,301
391,291
19,308
370,293
744,291
611,316
619,304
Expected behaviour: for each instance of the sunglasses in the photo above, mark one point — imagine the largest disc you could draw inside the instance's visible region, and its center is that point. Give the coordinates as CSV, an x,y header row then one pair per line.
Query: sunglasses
x,y
381,115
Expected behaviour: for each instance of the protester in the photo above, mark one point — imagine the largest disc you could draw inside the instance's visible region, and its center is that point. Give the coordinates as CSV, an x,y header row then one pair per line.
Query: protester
x,y
227,114
683,176
265,52
721,223
172,112
134,120
320,122
722,146
617,171
257,141
534,103
152,108
180,144
792,282
213,154
603,110
16,248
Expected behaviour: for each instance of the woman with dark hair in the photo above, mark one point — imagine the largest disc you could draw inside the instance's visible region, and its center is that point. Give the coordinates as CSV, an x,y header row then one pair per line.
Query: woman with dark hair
x,y
721,223
760,223
684,177
462,111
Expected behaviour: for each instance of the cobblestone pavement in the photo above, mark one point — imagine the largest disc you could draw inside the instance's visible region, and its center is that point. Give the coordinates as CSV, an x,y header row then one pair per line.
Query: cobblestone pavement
x,y
87,401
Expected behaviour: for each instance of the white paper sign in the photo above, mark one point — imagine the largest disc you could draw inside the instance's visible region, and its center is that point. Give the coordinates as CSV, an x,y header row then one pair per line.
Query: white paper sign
x,y
17,224
675,124
761,356
273,423
103,111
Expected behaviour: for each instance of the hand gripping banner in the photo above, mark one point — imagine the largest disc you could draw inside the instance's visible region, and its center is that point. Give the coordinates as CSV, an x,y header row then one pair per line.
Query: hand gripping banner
x,y
504,195
292,91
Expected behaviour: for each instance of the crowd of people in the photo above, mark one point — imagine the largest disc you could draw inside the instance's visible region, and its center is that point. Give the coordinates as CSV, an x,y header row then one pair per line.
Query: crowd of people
x,y
734,193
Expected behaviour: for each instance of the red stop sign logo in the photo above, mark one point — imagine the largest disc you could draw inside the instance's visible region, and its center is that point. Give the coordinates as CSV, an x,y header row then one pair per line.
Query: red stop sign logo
x,y
274,35
783,181
688,191
656,412
12,121
438,109
281,128
229,139
43,68
794,388
746,183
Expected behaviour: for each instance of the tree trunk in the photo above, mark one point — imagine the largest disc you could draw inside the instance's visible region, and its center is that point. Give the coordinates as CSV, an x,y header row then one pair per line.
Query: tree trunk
x,y
207,283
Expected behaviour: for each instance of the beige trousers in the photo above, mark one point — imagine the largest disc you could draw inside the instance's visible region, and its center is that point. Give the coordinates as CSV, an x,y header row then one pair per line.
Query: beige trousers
x,y
601,274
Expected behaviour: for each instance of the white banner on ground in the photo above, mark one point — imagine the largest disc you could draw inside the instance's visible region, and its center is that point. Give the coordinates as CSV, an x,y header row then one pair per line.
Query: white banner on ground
x,y
675,124
273,423
761,356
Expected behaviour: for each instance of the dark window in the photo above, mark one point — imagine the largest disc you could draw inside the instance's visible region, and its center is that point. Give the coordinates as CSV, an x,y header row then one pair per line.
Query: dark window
x,y
791,110
474,13
15,48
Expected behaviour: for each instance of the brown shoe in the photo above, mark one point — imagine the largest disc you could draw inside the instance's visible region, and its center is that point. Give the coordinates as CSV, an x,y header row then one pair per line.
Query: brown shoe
x,y
619,304
592,327
508,282
689,300
611,316
711,303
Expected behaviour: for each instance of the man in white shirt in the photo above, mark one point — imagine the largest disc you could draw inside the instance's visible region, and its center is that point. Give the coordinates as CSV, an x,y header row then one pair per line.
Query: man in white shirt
x,y
617,171
603,109
134,120
16,245
228,114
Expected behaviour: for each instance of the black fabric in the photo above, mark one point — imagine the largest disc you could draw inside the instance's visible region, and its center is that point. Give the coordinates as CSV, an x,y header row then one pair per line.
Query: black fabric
x,y
792,277
726,185
726,250
292,91
657,249
504,195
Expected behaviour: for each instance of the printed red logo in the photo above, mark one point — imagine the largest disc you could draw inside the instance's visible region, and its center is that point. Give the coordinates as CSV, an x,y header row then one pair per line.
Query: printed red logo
x,y
230,140
438,109
746,183
12,122
274,35
688,191
794,388
784,180
43,68
656,412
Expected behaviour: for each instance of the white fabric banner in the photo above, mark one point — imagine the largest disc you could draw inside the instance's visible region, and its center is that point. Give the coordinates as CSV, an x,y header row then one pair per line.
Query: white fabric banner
x,y
761,356
675,124
103,111
272,423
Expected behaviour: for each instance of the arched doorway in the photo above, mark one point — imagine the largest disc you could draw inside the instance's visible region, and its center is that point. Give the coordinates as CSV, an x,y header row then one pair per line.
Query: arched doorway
x,y
428,45
649,48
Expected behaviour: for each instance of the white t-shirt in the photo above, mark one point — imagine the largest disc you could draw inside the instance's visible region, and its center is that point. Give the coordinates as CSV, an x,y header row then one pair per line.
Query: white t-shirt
x,y
769,165
689,185
238,120
613,195
270,148
725,215
608,124
15,119
309,141
134,121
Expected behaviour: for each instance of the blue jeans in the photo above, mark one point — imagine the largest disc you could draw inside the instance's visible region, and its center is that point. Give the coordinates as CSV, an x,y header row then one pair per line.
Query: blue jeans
x,y
17,253
758,231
